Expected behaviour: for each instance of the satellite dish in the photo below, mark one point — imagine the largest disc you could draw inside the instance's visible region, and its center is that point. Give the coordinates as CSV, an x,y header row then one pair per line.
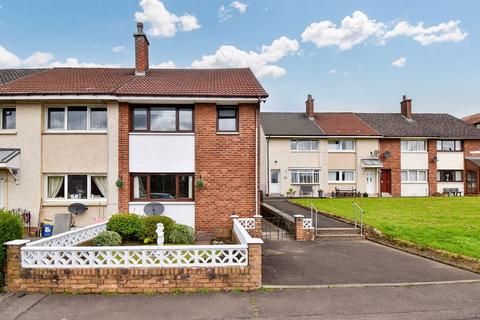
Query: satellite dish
x,y
387,154
77,208
154,209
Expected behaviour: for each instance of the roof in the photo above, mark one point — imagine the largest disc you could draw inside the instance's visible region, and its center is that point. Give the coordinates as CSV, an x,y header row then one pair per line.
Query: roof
x,y
240,82
7,75
343,124
475,161
473,119
421,125
371,163
289,124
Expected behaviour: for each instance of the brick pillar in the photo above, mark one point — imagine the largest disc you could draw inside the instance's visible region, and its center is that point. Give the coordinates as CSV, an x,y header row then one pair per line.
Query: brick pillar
x,y
257,232
255,264
123,170
13,264
432,166
302,234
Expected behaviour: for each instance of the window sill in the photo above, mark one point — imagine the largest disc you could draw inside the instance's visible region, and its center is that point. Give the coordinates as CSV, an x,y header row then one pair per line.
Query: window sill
x,y
162,133
66,132
233,133
63,202
8,132
341,182
417,152
449,181
341,151
414,182
448,151
171,202
304,151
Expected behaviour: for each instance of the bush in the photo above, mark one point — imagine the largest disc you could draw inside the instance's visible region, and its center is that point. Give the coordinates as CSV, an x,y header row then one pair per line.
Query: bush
x,y
107,239
148,232
127,225
182,234
11,228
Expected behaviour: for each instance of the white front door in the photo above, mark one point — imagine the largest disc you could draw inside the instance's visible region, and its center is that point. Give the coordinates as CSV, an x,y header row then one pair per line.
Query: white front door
x,y
275,181
371,182
2,182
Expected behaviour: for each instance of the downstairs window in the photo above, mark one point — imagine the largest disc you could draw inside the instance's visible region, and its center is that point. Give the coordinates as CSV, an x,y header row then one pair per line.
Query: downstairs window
x,y
164,187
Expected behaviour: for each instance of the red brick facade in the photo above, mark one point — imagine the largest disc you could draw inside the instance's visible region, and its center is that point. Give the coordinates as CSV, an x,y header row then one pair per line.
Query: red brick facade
x,y
226,163
123,171
392,162
472,148
432,166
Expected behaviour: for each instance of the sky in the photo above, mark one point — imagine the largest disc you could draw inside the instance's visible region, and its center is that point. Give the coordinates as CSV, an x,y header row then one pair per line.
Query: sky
x,y
350,55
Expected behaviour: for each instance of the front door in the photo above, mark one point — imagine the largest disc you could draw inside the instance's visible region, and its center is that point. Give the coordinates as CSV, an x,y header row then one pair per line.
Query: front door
x,y
2,195
386,181
275,181
472,185
371,182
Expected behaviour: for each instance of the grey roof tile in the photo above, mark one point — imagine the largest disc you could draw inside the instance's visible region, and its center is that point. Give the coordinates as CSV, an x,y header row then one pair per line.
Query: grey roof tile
x,y
289,124
7,75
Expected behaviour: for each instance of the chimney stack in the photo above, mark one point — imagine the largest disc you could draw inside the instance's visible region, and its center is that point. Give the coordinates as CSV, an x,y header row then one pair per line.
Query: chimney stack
x,y
406,107
310,107
141,51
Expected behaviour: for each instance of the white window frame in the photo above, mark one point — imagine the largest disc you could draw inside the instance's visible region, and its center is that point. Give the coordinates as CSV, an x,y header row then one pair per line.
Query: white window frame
x,y
409,171
65,118
339,143
315,173
65,183
340,174
1,118
455,145
407,143
311,142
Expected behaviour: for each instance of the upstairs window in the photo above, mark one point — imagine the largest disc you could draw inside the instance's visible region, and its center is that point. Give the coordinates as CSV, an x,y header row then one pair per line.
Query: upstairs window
x,y
303,145
450,175
414,145
162,119
227,119
77,118
449,145
8,118
341,145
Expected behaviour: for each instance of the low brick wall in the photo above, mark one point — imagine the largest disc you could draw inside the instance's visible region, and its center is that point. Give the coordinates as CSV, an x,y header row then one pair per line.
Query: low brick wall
x,y
131,280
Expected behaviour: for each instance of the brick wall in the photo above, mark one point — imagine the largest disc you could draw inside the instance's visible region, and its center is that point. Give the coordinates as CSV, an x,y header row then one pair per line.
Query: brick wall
x,y
302,234
123,171
392,163
226,163
133,280
432,166
471,147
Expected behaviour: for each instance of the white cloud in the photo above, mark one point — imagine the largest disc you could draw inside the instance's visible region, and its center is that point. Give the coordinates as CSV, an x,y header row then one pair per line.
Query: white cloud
x,y
261,63
332,71
75,63
444,32
400,62
165,65
162,22
225,13
8,59
353,30
118,49
38,59
359,28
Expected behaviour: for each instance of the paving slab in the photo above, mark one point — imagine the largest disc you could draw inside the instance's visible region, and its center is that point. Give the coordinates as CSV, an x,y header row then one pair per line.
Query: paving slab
x,y
288,262
13,306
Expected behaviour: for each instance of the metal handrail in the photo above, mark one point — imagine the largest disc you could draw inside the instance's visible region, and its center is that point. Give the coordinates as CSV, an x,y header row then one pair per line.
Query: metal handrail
x,y
358,211
314,217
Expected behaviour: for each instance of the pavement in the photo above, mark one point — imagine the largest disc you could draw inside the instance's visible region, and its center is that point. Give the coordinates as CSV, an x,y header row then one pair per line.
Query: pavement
x,y
291,209
288,262
453,301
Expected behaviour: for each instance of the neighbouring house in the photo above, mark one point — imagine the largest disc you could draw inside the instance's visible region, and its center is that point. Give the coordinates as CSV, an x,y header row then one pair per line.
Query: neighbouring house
x,y
117,139
387,154
473,119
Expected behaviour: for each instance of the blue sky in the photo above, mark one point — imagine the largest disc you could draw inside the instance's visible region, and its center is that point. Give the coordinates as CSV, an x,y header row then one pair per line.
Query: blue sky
x,y
295,47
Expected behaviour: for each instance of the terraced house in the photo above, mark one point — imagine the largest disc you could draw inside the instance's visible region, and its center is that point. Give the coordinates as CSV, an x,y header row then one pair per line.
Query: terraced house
x,y
116,139
381,154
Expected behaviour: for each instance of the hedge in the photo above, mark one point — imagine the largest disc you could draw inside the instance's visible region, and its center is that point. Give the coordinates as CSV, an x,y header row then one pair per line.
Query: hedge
x,y
11,228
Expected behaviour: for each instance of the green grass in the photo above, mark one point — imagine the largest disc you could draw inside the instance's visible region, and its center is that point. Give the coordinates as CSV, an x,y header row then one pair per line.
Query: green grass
x,y
447,223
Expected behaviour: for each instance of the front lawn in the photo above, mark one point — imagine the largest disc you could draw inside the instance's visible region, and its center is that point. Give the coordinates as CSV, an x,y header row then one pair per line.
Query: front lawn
x,y
447,223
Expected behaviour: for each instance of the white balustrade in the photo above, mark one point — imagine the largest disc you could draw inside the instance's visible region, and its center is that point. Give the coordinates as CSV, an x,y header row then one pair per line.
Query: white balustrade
x,y
247,223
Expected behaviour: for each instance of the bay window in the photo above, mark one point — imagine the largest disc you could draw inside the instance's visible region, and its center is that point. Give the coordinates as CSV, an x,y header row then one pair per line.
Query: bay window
x,y
77,118
341,176
162,186
76,187
8,118
162,118
413,175
303,145
413,145
341,145
305,176
450,175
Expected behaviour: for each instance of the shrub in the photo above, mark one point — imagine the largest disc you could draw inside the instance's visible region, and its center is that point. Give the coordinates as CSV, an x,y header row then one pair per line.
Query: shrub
x,y
127,225
148,231
365,195
182,234
107,239
11,228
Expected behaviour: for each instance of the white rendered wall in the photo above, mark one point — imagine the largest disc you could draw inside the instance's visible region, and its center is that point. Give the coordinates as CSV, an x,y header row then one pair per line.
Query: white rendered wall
x,y
181,212
414,160
450,160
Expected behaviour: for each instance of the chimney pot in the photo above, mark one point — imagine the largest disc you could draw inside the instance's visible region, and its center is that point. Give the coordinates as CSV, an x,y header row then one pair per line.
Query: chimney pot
x,y
141,51
406,107
310,107
140,27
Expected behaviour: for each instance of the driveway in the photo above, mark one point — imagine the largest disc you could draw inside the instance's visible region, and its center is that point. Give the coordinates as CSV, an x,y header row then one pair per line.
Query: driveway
x,y
287,262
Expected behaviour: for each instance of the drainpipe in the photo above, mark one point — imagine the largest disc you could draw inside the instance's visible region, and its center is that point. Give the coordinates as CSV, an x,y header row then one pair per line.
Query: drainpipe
x,y
268,167
256,157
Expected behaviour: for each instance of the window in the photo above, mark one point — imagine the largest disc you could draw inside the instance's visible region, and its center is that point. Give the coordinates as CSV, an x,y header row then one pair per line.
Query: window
x,y
305,176
76,187
77,118
414,175
303,145
413,145
449,145
8,119
341,176
227,119
341,145
162,119
165,187
450,175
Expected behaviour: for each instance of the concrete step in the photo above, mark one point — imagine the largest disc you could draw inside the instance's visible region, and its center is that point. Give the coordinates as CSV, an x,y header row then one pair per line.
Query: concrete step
x,y
337,231
346,237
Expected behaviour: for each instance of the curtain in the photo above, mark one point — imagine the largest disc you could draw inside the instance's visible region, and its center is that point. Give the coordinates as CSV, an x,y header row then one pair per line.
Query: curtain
x,y
101,182
139,189
54,186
